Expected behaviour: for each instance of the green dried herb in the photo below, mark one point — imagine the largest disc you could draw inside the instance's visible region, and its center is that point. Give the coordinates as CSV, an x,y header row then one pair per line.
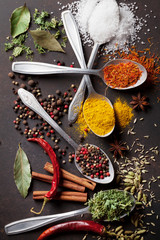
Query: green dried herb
x,y
22,172
49,41
39,18
18,46
110,205
17,51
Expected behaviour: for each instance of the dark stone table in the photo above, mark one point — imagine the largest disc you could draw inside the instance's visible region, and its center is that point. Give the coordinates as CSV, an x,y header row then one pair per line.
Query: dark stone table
x,y
12,206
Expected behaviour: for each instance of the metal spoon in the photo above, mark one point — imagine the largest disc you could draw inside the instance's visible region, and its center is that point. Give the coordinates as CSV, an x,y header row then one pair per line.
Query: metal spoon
x,y
28,224
75,41
30,101
44,68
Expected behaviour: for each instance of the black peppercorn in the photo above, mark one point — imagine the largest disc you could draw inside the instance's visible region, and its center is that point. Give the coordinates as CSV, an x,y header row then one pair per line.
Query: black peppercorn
x,y
31,83
11,75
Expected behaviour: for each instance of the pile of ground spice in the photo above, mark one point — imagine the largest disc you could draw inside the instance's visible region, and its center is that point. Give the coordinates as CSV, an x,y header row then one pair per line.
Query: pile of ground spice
x,y
123,113
99,115
150,61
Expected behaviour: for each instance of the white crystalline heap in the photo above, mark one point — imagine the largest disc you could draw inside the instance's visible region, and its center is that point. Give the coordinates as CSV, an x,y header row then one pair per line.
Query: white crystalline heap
x,y
89,17
97,21
102,31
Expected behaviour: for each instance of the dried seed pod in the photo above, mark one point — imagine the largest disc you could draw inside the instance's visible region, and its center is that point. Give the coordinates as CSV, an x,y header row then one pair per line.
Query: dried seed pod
x,y
128,232
133,189
120,232
141,231
136,222
127,184
136,183
135,219
111,234
137,237
118,228
139,196
132,236
127,188
144,197
129,176
131,173
128,180
138,203
139,177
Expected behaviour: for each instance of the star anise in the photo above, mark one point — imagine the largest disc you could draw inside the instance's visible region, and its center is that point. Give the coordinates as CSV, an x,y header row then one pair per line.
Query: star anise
x,y
139,102
117,148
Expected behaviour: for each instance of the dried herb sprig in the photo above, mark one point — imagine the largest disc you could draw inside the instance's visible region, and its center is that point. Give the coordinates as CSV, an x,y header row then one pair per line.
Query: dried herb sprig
x,y
110,204
18,46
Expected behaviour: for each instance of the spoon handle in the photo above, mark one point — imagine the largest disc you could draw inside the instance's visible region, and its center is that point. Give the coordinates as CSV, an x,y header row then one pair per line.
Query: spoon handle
x,y
38,68
28,224
30,101
75,41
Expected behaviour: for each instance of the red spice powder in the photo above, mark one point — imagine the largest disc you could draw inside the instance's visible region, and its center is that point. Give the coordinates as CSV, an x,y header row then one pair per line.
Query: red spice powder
x,y
122,75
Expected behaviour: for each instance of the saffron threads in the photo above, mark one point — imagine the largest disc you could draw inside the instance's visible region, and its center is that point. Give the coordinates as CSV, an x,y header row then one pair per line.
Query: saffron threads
x,y
150,61
122,75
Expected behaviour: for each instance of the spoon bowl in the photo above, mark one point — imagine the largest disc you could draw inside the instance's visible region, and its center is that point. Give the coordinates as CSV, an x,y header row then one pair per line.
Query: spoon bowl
x,y
107,179
30,101
93,94
140,81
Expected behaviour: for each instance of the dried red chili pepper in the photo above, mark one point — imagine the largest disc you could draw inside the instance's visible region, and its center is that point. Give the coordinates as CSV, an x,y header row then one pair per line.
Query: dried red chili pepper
x,y
56,177
74,226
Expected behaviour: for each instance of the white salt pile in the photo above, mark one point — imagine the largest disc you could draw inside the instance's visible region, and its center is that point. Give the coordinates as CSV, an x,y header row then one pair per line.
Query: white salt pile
x,y
103,31
87,13
89,17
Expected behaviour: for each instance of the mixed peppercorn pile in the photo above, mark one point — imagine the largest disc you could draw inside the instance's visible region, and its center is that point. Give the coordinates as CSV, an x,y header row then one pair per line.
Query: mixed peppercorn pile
x,y
92,161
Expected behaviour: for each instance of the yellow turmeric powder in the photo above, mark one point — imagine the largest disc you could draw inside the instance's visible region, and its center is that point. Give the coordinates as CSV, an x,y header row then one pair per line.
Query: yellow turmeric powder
x,y
99,115
123,113
81,124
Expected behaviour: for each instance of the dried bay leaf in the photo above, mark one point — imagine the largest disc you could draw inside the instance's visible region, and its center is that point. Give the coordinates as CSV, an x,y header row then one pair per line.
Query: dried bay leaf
x,y
46,40
20,20
22,172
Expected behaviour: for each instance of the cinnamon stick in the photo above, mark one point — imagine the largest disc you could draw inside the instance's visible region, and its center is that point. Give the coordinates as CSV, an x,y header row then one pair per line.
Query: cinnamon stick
x,y
63,182
69,176
66,195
